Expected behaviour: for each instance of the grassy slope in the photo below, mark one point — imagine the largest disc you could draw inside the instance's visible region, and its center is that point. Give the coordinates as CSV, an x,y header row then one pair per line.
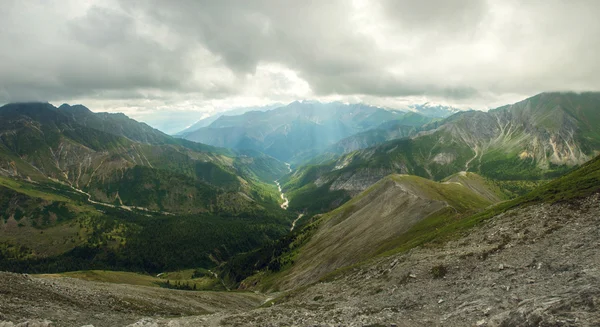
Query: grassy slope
x,y
579,183
445,224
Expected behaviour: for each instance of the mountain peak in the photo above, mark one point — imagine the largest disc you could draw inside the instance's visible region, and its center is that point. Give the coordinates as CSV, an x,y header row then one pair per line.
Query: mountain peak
x,y
74,108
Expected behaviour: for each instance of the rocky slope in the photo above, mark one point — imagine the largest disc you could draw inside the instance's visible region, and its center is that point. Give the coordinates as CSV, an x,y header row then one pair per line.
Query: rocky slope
x,y
32,301
537,266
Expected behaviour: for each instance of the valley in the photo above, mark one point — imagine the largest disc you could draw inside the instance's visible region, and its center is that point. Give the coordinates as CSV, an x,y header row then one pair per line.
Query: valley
x,y
392,219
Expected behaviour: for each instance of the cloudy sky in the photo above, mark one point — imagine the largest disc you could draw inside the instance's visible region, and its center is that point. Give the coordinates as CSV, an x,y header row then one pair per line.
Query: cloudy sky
x,y
161,60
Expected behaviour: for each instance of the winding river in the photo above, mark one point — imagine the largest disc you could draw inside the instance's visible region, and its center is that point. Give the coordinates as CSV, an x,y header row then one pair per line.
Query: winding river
x,y
286,201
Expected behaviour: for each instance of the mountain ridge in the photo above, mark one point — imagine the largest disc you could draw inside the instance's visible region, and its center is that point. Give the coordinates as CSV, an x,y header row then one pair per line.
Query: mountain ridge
x,y
538,138
294,132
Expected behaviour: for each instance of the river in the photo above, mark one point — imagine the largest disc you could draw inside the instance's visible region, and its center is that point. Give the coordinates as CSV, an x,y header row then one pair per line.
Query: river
x,y
286,202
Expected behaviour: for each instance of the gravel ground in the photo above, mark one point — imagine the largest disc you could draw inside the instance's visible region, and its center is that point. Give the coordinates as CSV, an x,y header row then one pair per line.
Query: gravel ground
x,y
74,302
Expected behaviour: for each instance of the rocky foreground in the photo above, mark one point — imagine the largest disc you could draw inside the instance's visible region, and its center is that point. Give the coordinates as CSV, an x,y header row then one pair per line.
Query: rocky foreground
x,y
535,266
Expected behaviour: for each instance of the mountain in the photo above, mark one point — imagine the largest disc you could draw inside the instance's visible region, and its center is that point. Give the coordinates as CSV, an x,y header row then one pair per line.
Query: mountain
x,y
80,189
409,125
116,124
295,132
204,122
115,159
538,138
434,110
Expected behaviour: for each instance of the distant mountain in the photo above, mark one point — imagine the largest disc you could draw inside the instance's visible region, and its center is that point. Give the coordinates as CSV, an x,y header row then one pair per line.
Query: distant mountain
x,y
434,110
409,125
538,138
295,132
232,112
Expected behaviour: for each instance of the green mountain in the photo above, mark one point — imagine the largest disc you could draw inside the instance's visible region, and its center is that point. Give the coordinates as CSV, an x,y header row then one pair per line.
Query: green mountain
x,y
115,160
536,139
409,125
295,132
232,112
82,190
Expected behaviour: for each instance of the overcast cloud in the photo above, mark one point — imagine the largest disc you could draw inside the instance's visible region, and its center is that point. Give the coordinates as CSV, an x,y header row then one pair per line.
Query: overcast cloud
x,y
144,56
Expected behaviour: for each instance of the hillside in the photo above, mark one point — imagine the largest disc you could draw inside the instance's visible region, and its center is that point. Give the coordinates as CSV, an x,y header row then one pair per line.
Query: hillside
x,y
295,132
536,139
113,158
525,267
368,224
82,190
507,265
357,230
52,228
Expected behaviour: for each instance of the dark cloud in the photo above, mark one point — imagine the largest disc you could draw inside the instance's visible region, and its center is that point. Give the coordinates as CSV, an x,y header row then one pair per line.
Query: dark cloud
x,y
439,17
186,51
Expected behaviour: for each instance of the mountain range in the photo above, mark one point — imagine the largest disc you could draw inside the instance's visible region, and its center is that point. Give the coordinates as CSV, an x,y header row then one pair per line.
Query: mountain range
x,y
433,110
204,122
536,139
109,155
296,132
87,195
